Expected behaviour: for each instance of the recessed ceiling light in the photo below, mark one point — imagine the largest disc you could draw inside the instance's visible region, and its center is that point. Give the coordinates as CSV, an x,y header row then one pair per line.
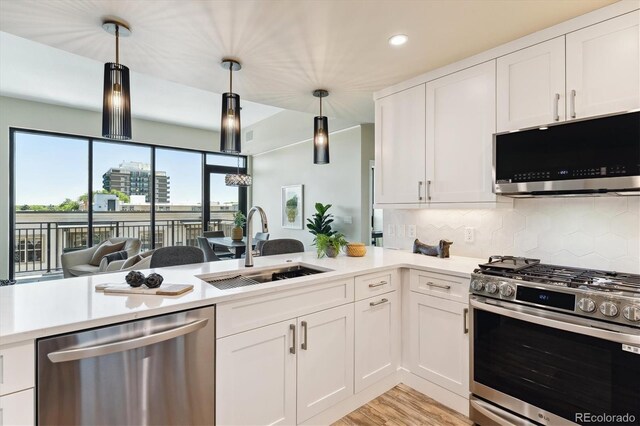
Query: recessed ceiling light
x,y
398,39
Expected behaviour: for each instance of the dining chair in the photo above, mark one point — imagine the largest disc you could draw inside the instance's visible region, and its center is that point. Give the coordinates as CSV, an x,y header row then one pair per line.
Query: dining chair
x,y
281,246
220,251
209,254
176,255
260,238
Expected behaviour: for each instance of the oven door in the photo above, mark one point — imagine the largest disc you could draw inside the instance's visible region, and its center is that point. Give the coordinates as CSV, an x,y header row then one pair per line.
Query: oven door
x,y
551,368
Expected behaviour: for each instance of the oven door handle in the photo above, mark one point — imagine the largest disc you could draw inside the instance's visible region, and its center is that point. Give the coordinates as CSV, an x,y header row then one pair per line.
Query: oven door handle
x,y
618,334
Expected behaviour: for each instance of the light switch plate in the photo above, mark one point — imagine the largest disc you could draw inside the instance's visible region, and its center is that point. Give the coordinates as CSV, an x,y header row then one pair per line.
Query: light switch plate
x,y
411,231
347,219
391,230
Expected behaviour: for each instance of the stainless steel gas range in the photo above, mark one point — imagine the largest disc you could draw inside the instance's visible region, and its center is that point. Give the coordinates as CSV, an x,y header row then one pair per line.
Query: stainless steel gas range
x,y
553,345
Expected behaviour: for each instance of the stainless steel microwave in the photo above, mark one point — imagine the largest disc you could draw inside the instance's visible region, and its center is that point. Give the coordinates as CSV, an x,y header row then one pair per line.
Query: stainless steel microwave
x,y
596,156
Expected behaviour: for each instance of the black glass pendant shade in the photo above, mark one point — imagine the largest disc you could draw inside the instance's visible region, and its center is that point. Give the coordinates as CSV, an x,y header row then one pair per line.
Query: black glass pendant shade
x,y
116,102
320,140
230,125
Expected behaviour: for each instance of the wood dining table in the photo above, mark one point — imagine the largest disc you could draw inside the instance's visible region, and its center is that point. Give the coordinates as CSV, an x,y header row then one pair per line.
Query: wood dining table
x,y
237,247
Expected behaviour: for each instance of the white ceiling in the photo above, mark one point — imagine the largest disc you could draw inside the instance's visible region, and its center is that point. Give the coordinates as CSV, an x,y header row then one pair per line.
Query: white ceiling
x,y
287,47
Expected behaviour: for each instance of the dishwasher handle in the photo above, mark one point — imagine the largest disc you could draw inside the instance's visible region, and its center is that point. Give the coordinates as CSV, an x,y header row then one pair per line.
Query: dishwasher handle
x,y
125,345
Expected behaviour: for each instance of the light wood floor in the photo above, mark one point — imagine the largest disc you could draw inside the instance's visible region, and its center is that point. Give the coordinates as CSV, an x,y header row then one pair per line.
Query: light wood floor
x,y
403,406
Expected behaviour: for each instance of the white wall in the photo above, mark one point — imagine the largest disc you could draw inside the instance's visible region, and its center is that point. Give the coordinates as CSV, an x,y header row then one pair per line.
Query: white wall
x,y
589,232
54,118
341,183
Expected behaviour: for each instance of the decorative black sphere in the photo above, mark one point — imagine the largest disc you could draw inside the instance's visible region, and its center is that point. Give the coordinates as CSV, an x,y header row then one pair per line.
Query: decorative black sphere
x,y
154,280
135,278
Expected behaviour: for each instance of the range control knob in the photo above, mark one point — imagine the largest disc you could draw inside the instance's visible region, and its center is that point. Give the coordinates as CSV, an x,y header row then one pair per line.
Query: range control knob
x,y
477,285
632,313
609,309
491,288
506,290
587,305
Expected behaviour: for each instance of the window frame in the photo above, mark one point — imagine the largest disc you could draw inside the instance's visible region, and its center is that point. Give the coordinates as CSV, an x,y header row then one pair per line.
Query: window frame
x,y
206,169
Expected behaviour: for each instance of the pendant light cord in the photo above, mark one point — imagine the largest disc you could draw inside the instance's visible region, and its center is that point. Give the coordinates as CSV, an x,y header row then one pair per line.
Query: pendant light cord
x,y
231,78
320,106
117,44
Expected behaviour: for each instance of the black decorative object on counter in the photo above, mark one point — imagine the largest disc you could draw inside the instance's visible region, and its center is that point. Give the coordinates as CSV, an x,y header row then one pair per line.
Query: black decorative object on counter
x,y
135,278
7,282
154,280
441,250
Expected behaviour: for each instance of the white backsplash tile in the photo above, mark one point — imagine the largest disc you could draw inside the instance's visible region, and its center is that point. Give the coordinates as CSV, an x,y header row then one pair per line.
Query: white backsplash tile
x,y
593,232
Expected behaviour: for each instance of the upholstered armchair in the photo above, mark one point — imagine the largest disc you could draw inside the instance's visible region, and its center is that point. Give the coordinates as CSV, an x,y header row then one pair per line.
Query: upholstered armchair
x,y
82,262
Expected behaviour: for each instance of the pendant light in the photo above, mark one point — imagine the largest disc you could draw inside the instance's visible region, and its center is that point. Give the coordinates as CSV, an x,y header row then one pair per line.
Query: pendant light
x,y
320,133
116,100
230,125
238,179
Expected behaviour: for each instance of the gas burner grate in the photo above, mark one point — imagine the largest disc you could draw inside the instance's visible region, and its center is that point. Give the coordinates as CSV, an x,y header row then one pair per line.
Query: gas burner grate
x,y
569,277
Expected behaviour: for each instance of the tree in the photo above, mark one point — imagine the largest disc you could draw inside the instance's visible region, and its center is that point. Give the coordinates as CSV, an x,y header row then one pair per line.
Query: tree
x,y
68,205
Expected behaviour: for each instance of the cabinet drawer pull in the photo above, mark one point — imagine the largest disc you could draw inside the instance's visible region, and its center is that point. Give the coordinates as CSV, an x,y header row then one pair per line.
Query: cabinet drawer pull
x,y
377,284
556,113
429,190
292,349
446,287
379,302
305,342
573,104
465,319
420,190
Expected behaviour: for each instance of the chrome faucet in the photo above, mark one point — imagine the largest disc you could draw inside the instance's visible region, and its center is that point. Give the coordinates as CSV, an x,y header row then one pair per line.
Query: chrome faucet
x,y
248,257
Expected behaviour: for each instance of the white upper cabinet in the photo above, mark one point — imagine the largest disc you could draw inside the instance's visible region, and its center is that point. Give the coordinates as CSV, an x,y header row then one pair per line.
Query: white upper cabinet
x,y
530,86
460,122
603,67
400,147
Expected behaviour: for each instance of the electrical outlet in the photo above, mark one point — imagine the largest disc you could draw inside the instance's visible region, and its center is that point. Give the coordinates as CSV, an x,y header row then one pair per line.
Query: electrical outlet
x,y
401,231
391,230
347,219
411,231
469,234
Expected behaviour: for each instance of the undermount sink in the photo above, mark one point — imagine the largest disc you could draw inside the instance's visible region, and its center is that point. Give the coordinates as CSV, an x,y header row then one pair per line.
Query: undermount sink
x,y
227,282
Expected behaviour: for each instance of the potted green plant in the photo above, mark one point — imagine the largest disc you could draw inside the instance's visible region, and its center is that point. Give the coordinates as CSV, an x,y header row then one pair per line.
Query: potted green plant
x,y
320,222
239,220
330,245
292,208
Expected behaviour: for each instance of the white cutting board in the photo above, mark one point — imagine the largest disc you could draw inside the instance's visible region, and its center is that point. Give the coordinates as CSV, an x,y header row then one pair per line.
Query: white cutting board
x,y
163,290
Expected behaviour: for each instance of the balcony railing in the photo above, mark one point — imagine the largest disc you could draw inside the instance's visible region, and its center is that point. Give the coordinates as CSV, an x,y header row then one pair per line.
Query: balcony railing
x,y
39,245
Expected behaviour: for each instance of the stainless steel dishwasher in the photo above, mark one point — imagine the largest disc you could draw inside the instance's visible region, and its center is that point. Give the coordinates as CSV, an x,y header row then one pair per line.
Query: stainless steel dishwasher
x,y
158,370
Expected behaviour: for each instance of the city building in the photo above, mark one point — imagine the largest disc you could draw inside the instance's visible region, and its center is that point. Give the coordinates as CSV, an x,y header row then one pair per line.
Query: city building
x,y
132,178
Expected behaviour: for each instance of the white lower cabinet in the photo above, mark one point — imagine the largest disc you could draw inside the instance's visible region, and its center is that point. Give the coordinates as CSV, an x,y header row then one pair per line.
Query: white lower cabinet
x,y
439,342
285,373
325,360
377,339
256,377
17,408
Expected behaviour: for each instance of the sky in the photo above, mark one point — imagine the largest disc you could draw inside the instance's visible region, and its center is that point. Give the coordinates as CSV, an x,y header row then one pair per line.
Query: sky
x,y
49,169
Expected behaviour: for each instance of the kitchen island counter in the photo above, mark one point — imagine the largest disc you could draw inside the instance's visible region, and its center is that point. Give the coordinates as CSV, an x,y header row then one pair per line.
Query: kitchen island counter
x,y
30,311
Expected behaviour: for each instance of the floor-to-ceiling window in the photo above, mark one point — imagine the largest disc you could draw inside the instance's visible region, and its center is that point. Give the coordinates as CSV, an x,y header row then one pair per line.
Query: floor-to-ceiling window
x,y
178,197
71,192
223,201
50,175
122,192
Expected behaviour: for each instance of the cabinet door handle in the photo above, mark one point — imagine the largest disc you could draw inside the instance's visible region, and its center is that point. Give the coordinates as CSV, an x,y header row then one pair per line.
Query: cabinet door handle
x,y
380,302
377,284
305,342
420,190
465,319
446,287
572,104
429,190
292,349
556,106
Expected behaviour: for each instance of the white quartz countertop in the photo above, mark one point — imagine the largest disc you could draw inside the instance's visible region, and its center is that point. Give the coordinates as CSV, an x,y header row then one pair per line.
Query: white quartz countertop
x,y
29,311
